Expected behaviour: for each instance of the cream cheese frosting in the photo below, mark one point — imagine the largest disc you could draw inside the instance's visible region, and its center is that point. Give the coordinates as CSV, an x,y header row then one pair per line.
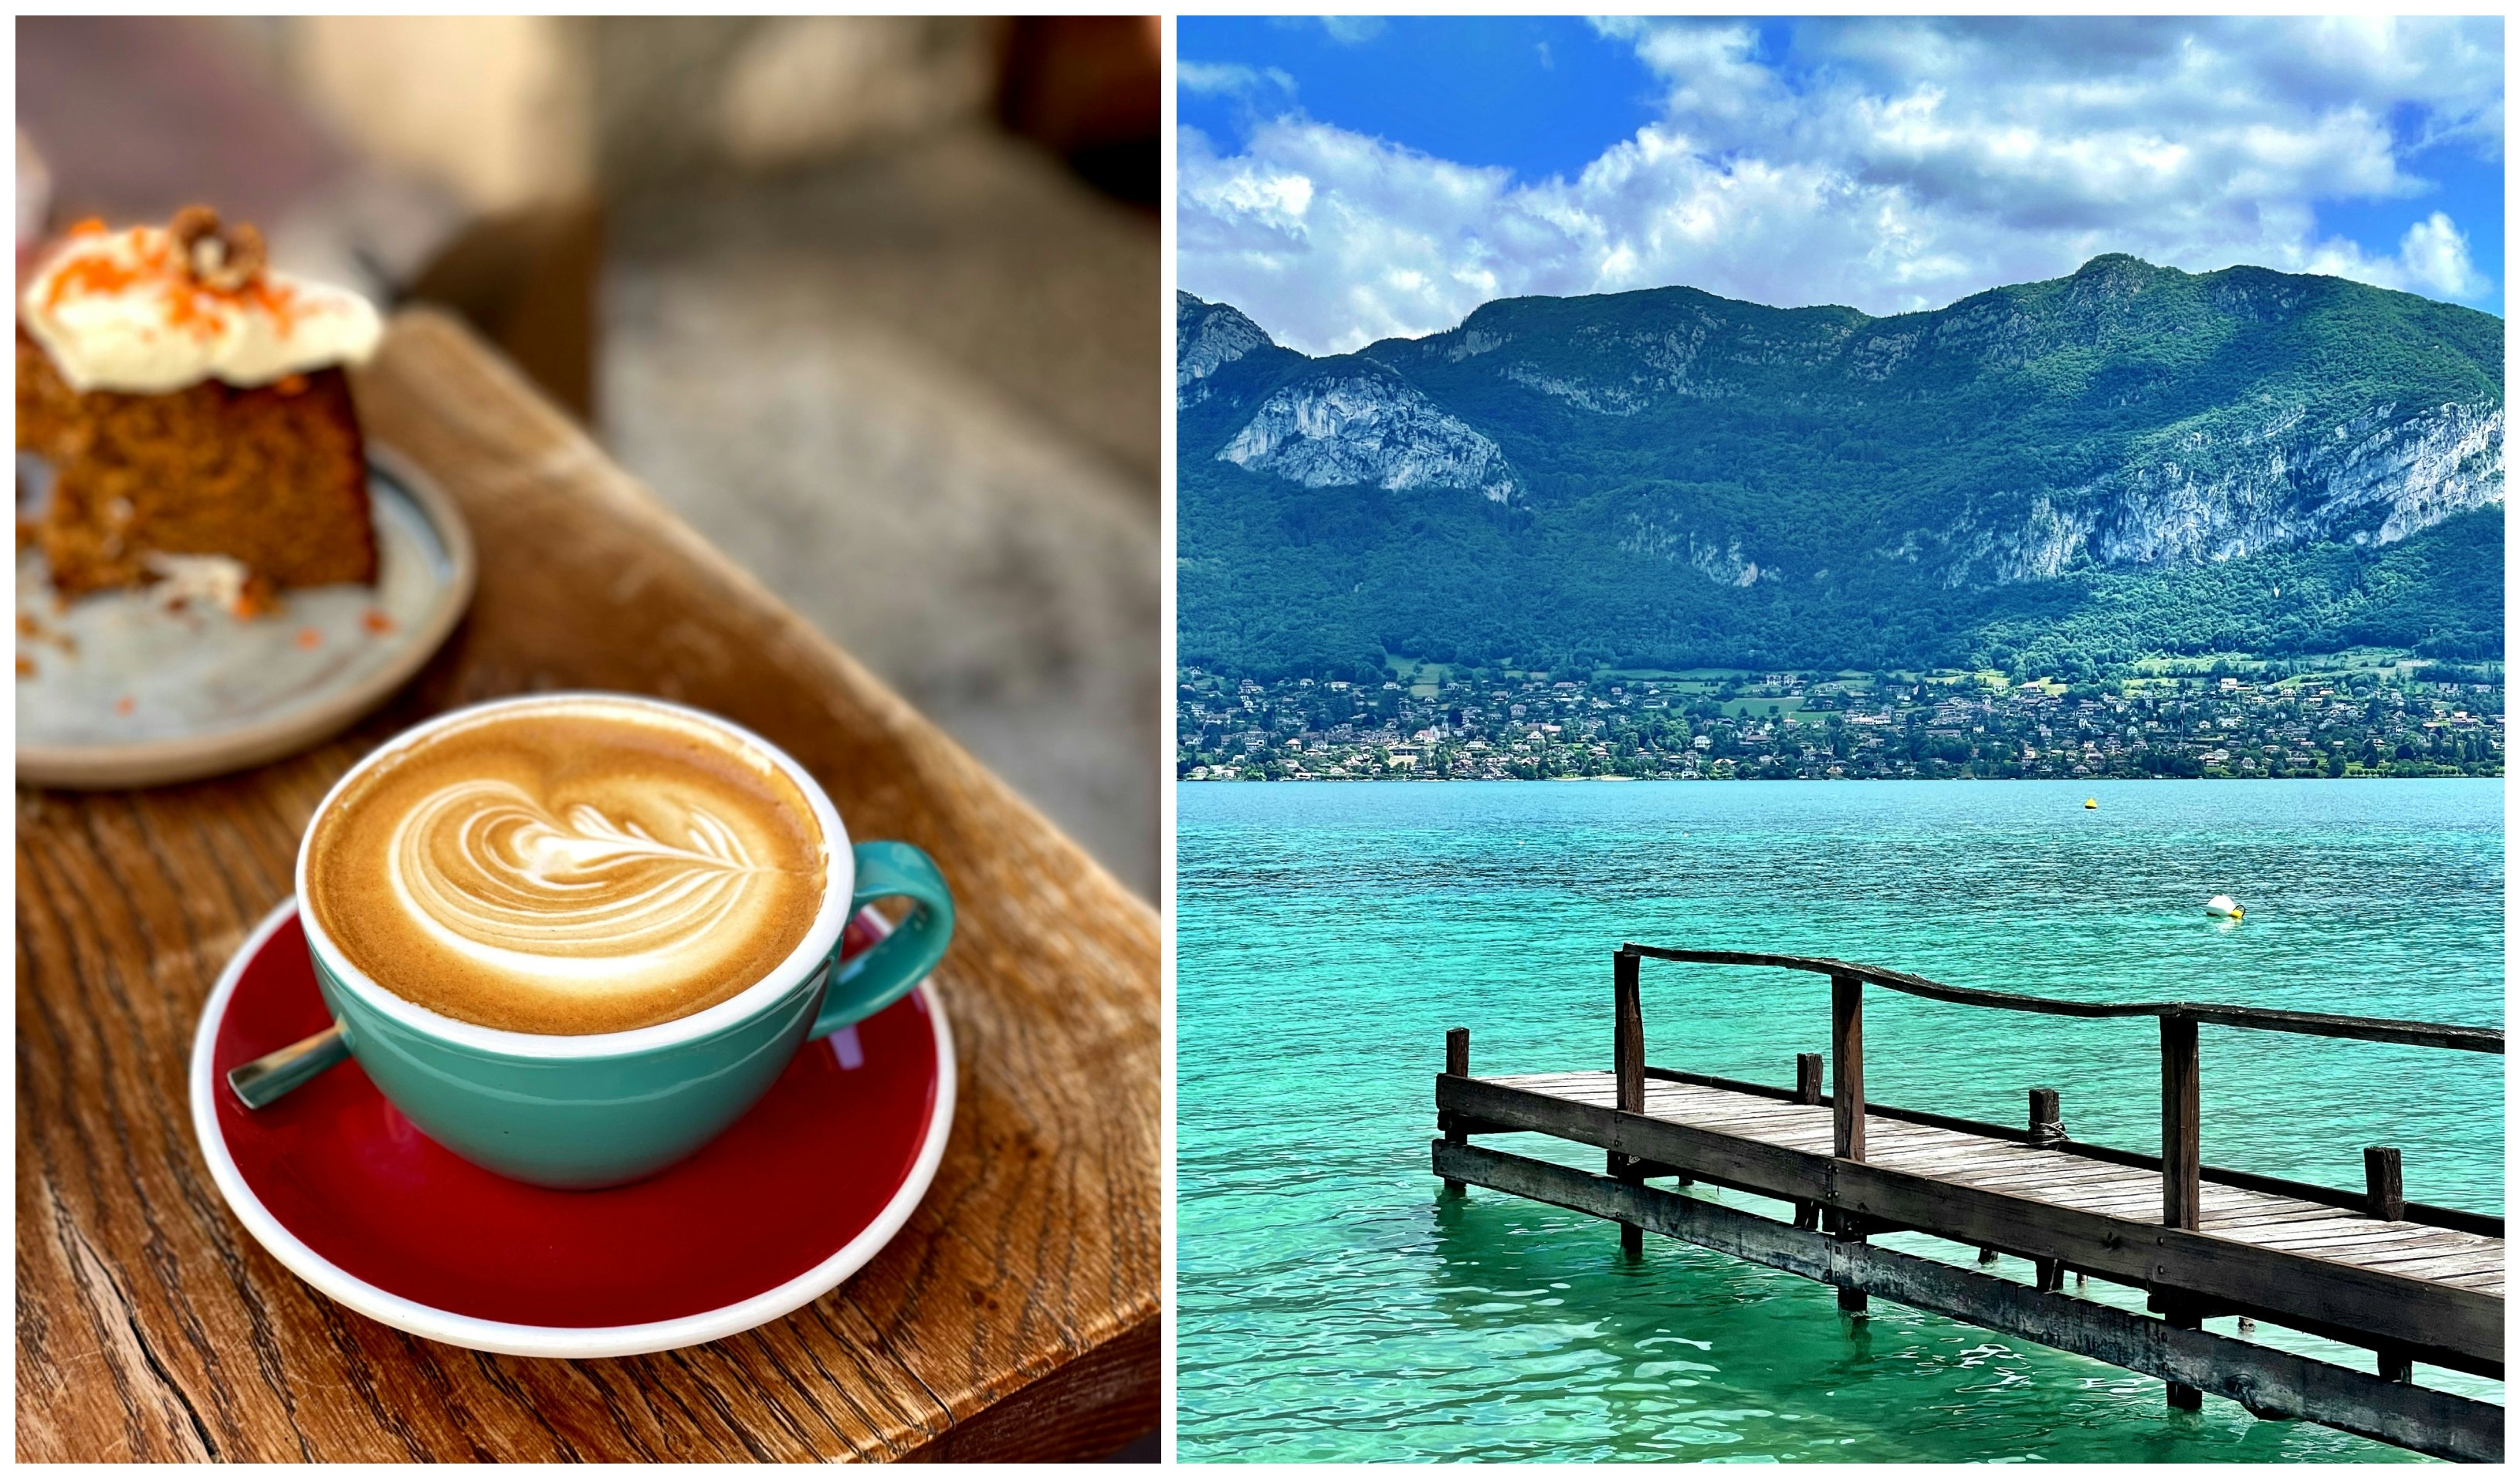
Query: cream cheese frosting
x,y
118,310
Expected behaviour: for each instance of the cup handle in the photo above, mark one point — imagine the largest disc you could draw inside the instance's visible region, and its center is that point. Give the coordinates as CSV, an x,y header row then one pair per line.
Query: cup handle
x,y
883,975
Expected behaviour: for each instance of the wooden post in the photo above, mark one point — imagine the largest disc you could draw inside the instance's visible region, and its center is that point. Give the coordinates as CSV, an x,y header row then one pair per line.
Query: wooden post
x,y
1846,1055
2395,1364
1630,1034
2184,1315
2047,1118
2181,1159
1456,1062
1846,1050
1629,1045
2384,1181
2046,1128
2182,1188
1807,1091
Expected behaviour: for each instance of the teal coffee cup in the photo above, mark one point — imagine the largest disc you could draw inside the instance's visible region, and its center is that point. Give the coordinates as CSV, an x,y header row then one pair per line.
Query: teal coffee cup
x,y
603,1109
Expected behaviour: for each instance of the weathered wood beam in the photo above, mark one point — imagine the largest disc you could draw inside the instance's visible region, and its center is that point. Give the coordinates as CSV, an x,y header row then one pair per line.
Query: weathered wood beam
x,y
2445,1325
2268,1382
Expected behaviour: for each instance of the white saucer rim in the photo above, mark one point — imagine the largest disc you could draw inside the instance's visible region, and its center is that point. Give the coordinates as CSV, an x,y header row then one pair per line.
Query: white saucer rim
x,y
563,1342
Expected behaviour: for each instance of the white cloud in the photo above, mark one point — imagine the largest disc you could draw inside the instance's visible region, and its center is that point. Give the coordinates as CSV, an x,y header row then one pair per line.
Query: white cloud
x,y
1352,29
2431,260
2434,256
1231,79
1890,166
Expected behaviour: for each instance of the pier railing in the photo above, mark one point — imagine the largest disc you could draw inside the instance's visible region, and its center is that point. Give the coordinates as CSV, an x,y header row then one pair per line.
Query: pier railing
x,y
2180,1162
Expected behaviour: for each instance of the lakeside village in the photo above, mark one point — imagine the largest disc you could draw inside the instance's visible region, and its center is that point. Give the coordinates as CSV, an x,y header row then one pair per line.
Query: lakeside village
x,y
2376,717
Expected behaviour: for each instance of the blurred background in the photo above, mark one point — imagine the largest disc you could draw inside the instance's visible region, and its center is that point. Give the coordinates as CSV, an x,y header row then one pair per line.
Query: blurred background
x,y
873,303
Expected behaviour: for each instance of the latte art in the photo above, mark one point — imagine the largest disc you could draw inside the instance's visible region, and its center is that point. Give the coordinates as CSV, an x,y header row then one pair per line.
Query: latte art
x,y
588,865
491,876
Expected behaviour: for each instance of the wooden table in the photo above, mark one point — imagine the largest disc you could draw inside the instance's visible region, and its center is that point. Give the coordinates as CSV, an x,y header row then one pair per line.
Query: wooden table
x,y
1017,1316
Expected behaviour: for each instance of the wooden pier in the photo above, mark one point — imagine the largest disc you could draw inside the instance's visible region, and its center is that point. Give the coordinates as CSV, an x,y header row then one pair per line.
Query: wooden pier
x,y
2366,1267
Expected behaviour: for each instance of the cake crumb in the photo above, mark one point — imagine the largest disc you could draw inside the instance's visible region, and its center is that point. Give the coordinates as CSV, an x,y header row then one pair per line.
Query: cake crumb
x,y
258,597
310,637
125,704
31,627
376,621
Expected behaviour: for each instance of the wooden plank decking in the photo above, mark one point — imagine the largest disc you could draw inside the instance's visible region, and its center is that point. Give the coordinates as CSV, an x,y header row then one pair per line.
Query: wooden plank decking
x,y
2406,1282
2436,1255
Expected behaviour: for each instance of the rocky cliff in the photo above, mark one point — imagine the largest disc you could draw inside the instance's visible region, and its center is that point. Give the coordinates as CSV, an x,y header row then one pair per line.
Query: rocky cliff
x,y
1211,337
1364,426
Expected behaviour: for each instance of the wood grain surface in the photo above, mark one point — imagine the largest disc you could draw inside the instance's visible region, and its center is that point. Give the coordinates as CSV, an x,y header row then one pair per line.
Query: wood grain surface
x,y
1015,1317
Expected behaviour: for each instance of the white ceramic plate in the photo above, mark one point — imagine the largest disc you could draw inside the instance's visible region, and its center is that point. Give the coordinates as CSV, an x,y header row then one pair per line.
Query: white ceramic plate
x,y
125,691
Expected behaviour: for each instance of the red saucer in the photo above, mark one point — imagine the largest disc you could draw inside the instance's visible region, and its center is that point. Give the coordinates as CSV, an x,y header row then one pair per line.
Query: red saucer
x,y
792,1200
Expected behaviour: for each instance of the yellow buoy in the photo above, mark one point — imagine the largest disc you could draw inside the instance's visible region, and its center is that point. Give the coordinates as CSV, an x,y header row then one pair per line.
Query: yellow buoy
x,y
2091,803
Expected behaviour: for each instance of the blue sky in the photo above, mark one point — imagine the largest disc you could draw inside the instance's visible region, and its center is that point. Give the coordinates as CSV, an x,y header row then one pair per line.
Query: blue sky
x,y
1350,179
1541,96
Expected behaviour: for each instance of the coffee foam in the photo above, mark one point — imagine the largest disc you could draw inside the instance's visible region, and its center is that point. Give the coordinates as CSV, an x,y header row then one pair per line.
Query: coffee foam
x,y
574,866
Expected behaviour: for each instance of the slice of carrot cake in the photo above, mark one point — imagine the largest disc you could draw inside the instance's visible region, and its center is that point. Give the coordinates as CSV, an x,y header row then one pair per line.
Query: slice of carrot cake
x,y
192,404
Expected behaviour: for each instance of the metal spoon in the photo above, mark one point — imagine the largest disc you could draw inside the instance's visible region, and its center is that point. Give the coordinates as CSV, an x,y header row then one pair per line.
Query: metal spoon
x,y
275,1073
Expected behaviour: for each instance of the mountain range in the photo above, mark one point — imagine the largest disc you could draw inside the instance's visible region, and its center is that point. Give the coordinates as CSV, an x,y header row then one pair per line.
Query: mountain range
x,y
2054,477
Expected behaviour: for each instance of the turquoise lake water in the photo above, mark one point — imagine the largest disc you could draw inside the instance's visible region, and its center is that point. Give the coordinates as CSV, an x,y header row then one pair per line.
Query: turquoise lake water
x,y
1332,1306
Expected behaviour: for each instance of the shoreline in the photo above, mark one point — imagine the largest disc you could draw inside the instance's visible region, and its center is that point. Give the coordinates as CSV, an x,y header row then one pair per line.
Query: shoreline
x,y
2067,781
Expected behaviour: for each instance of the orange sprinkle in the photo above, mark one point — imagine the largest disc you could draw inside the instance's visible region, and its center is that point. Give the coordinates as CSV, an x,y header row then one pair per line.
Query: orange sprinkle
x,y
310,637
274,298
92,226
377,621
125,704
25,667
188,304
88,275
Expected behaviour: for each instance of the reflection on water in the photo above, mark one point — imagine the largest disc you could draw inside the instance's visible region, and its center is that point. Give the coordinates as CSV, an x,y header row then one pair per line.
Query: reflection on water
x,y
1334,1305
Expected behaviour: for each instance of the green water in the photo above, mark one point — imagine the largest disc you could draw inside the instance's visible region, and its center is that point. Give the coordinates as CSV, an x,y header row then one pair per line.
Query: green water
x,y
1332,1306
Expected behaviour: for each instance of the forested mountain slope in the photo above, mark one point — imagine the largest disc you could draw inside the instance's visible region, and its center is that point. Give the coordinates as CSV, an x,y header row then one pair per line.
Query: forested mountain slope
x,y
2052,476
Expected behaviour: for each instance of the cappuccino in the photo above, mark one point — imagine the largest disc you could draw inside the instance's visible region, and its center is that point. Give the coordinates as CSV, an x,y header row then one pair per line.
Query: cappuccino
x,y
578,866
